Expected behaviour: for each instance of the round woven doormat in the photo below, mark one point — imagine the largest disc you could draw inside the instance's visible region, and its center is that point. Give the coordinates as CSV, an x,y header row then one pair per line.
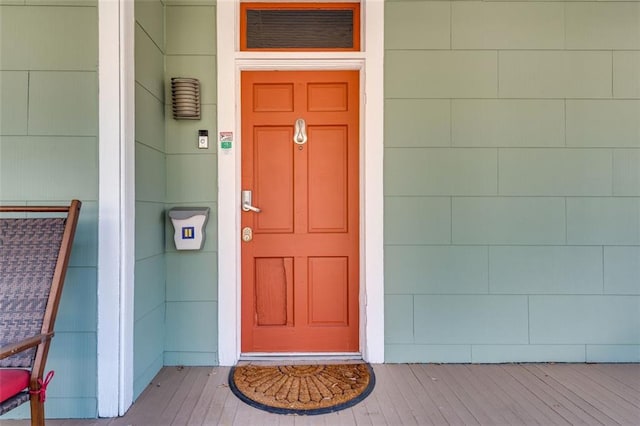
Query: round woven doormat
x,y
302,389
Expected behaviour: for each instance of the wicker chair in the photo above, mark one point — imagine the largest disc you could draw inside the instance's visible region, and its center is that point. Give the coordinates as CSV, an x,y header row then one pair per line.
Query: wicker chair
x,y
34,254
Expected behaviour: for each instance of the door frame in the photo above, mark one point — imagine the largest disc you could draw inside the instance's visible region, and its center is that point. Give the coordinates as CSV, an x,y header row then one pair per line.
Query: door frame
x,y
369,62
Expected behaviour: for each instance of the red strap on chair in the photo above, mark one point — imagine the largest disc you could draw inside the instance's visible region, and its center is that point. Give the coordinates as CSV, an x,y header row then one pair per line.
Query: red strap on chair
x,y
43,386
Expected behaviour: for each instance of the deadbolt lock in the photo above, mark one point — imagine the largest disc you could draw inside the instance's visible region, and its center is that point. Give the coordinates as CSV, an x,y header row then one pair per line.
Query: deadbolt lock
x,y
247,234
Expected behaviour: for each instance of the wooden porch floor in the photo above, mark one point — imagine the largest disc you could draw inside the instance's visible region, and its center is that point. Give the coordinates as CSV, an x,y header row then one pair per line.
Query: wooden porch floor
x,y
408,394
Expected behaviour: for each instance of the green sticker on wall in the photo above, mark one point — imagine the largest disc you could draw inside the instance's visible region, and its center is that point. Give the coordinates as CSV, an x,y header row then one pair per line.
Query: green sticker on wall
x,y
226,139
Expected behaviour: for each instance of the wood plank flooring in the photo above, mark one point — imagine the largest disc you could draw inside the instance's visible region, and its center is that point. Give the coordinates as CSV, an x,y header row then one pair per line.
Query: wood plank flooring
x,y
407,394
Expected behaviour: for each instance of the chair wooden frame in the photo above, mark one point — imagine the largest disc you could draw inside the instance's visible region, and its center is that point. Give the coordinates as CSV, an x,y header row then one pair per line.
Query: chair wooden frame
x,y
42,341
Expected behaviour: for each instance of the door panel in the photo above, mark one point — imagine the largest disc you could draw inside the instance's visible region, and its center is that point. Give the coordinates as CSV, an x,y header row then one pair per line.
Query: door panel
x,y
272,97
272,160
274,290
329,291
300,271
328,167
328,97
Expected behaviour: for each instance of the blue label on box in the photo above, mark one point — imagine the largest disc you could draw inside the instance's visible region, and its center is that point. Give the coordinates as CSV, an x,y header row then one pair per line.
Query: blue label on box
x,y
188,232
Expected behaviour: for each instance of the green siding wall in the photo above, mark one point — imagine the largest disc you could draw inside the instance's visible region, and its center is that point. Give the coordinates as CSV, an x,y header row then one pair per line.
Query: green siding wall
x,y
151,175
512,181
513,235
176,292
192,294
49,155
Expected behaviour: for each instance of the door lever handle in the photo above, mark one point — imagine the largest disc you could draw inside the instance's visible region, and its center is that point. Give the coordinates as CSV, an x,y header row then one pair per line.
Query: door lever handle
x,y
249,207
246,203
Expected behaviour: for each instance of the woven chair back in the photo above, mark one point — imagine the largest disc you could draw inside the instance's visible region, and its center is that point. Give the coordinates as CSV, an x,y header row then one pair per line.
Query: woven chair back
x,y
28,253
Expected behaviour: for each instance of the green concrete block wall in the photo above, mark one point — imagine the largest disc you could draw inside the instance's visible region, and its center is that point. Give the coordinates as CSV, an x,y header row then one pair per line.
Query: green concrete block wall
x,y
49,155
191,288
512,181
150,185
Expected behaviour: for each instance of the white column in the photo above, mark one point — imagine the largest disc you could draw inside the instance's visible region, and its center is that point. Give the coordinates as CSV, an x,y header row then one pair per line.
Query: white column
x,y
116,206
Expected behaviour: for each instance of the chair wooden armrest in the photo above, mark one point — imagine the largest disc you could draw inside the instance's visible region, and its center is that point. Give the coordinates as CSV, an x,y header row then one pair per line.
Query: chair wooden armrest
x,y
24,344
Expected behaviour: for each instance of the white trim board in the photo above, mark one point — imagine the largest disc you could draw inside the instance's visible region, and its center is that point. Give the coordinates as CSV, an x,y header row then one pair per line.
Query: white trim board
x,y
370,63
116,207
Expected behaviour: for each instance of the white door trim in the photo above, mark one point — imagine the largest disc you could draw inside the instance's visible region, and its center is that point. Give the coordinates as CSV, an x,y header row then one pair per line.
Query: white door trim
x,y
370,63
116,207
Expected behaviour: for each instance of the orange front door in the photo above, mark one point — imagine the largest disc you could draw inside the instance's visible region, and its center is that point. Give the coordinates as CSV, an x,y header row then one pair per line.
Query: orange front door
x,y
300,290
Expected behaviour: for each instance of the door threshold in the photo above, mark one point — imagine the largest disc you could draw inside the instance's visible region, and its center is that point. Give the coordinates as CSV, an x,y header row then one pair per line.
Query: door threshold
x,y
300,357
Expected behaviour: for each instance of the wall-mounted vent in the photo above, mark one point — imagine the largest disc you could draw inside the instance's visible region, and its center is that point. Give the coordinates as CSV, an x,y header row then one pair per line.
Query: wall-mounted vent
x,y
185,98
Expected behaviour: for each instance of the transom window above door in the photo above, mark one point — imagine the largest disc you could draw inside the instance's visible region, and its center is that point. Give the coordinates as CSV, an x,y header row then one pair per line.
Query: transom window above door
x,y
299,26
